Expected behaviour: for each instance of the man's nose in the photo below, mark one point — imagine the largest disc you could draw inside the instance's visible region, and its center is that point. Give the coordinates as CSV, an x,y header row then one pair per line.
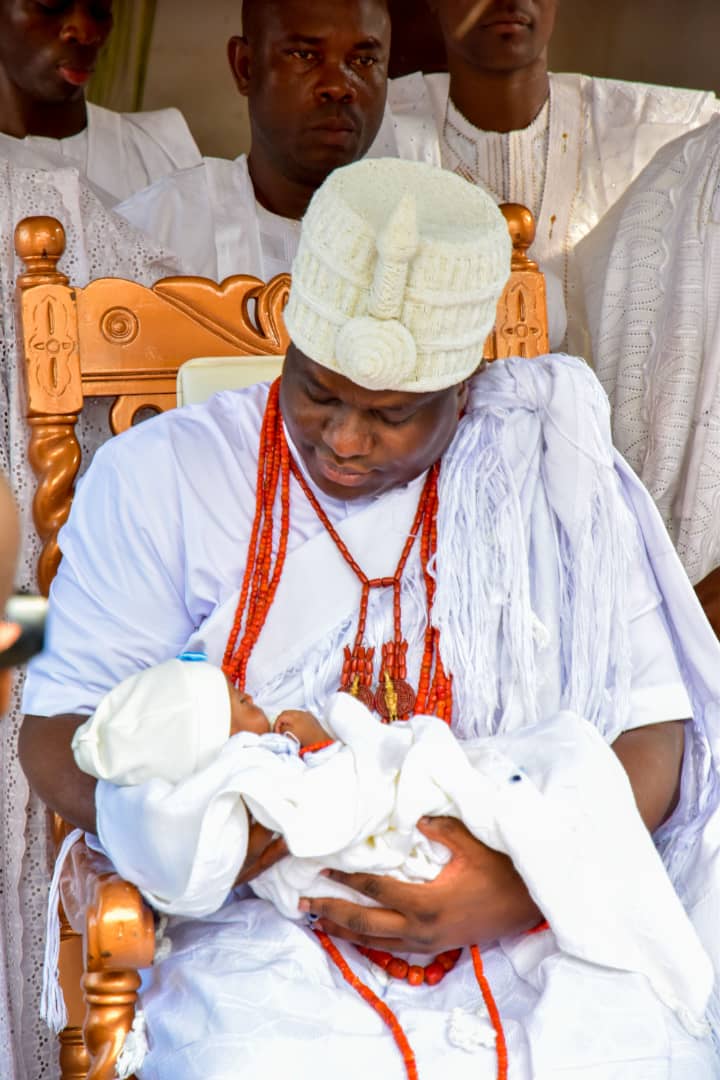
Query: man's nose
x,y
82,28
336,84
347,435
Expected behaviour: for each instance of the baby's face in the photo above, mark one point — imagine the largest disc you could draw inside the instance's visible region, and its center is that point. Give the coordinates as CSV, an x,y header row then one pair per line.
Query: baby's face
x,y
244,714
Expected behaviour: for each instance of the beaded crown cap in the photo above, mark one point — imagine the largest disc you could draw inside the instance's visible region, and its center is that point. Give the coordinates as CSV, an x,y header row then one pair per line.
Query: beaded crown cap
x,y
398,274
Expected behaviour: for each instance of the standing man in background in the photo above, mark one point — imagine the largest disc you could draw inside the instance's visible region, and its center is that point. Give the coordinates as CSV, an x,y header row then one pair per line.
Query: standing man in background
x,y
315,76
566,146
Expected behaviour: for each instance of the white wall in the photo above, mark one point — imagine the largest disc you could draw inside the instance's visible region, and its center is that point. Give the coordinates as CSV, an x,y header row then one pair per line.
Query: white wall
x,y
663,41
188,68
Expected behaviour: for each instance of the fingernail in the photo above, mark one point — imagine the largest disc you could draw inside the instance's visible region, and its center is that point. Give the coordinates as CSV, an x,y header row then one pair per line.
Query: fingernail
x,y
326,873
304,905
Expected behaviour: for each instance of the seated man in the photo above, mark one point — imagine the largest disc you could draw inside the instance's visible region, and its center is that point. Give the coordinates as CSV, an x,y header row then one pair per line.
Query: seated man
x,y
47,55
652,285
566,146
390,521
315,76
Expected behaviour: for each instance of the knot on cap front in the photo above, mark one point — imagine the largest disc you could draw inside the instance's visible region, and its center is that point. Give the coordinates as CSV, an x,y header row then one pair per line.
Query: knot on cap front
x,y
376,353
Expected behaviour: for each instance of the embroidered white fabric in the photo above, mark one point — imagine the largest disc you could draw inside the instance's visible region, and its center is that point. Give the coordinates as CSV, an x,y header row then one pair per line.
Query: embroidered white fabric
x,y
98,243
600,134
511,163
652,286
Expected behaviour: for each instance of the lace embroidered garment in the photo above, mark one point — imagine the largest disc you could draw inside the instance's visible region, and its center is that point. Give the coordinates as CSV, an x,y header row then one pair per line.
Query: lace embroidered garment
x,y
98,243
512,164
652,283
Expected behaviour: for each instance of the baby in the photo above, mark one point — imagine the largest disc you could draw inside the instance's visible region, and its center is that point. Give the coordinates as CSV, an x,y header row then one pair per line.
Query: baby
x,y
169,721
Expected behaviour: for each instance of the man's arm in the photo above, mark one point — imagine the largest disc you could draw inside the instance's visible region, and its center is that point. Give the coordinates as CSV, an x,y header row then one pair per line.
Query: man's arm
x,y
708,593
479,896
47,759
652,756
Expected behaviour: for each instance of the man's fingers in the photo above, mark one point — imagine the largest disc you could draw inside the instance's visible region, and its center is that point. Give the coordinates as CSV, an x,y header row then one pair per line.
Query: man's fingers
x,y
386,891
387,944
354,922
448,831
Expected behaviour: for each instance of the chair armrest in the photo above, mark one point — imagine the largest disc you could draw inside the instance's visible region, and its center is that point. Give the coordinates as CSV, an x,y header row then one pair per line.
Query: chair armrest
x,y
116,923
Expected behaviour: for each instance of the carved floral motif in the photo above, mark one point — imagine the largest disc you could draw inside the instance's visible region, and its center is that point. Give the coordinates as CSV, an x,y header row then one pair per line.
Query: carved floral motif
x,y
50,346
521,329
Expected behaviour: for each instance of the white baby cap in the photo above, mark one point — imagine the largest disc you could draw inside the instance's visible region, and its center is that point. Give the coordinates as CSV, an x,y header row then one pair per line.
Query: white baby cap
x,y
398,274
167,722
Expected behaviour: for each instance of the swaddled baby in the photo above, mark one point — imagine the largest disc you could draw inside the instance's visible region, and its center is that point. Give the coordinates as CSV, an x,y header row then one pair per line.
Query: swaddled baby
x,y
188,755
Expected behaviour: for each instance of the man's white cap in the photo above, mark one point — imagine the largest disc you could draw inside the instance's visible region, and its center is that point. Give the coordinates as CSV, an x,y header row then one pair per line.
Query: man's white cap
x,y
165,722
398,274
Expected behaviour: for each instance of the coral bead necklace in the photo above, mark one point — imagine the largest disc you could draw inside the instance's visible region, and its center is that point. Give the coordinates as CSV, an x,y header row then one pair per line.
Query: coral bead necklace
x,y
390,1019
393,698
416,974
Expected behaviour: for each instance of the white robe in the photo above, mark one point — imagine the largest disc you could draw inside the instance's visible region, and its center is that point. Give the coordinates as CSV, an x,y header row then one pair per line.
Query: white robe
x,y
555,546
602,132
117,153
98,244
651,273
210,218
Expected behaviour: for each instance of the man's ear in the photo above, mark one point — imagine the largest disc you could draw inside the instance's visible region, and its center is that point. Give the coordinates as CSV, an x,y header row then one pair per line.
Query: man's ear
x,y
238,52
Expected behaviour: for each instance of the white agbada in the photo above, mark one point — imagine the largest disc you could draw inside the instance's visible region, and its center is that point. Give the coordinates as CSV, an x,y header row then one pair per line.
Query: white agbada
x,y
569,166
256,990
651,272
98,244
117,153
209,216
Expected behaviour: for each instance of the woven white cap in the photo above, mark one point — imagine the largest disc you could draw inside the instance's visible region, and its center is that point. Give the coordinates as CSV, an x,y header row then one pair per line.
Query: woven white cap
x,y
165,722
398,274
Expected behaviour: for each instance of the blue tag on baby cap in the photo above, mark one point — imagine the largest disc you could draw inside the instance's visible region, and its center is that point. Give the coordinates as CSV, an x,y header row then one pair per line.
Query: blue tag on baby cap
x,y
192,657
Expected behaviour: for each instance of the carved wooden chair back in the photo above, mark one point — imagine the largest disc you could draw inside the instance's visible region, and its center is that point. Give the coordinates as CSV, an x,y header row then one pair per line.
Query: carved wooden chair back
x,y
116,339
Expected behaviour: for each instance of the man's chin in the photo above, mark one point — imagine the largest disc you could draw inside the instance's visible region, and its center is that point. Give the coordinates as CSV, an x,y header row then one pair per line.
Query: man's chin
x,y
320,161
345,486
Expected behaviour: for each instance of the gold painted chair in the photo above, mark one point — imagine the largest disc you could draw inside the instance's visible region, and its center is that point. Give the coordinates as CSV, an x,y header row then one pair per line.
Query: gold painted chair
x,y
120,340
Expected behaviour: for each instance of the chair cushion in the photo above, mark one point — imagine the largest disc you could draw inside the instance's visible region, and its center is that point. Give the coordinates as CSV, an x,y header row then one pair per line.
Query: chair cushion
x,y
200,378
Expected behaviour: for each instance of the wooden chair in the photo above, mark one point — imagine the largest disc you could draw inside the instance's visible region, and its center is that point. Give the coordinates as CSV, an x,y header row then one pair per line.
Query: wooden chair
x,y
119,340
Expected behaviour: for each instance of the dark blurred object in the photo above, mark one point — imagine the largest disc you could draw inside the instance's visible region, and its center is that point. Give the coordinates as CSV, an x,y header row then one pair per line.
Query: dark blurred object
x,y
29,612
417,43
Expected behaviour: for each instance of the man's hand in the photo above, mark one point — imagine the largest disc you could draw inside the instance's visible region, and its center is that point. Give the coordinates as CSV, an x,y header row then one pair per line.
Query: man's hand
x,y
476,898
264,850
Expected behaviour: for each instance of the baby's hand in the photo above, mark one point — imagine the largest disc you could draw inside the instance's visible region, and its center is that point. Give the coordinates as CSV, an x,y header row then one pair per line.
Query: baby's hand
x,y
302,725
